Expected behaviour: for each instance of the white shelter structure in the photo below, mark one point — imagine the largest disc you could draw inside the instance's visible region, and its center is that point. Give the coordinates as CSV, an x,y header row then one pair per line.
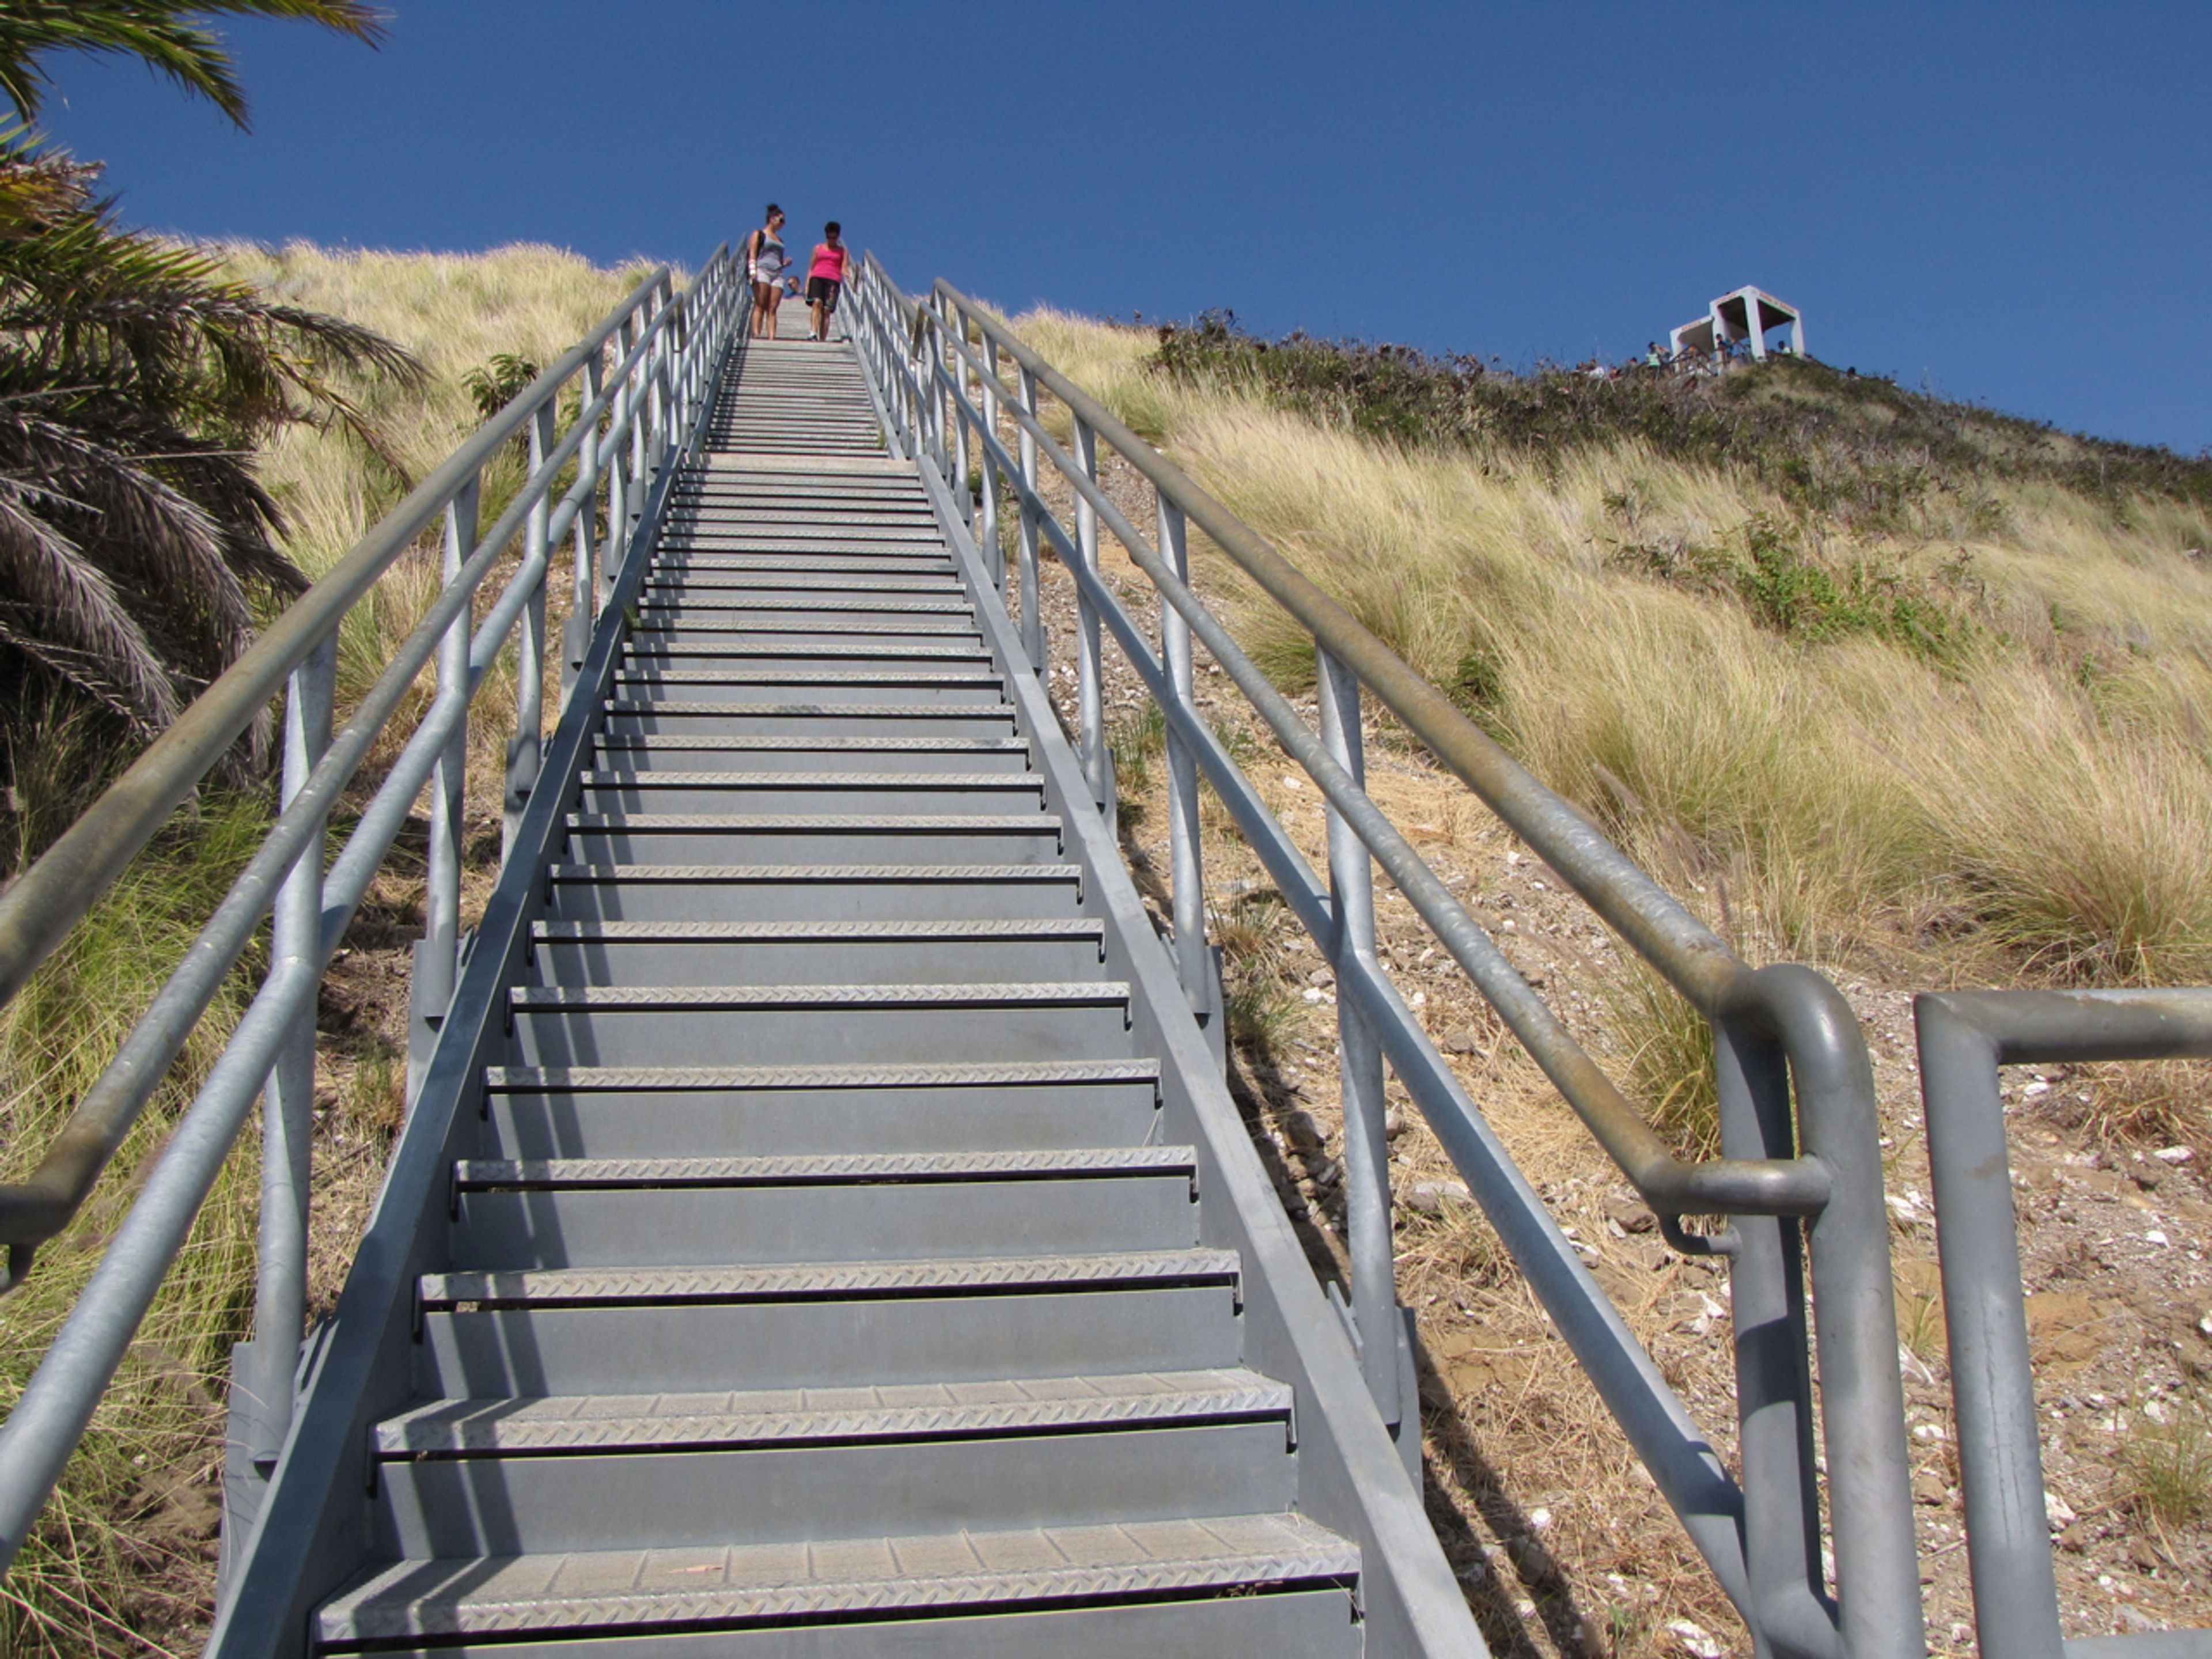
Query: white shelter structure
x,y
1747,315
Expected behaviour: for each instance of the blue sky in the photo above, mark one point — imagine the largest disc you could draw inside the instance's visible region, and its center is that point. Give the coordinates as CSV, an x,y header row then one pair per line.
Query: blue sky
x,y
2008,202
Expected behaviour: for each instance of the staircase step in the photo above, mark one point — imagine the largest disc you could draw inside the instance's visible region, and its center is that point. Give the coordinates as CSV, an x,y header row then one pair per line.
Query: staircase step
x,y
610,1213
787,1584
770,716
955,688
763,1024
700,591
785,837
667,790
817,891
1119,1271
662,658
753,630
811,754
1265,1622
794,952
819,1170
661,1111
573,1331
805,608
917,1411
691,1497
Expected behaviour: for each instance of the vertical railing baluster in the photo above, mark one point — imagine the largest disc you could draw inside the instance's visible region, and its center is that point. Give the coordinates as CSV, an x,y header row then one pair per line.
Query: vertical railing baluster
x,y
618,491
932,361
437,957
989,535
526,747
584,591
1033,639
287,1101
1089,677
638,389
962,490
1186,868
1366,1147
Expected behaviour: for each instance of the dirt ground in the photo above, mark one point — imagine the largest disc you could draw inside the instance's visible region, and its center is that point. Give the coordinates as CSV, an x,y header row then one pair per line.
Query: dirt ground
x,y
1561,1539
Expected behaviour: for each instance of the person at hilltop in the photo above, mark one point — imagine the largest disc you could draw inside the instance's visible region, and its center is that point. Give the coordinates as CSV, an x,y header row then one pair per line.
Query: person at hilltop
x,y
764,263
825,277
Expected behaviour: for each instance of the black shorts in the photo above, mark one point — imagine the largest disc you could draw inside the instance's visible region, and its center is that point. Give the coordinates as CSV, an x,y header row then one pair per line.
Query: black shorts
x,y
823,290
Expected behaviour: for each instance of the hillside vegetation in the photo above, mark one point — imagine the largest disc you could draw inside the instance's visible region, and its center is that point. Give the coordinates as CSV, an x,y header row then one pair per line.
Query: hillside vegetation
x,y
123,1562
1900,674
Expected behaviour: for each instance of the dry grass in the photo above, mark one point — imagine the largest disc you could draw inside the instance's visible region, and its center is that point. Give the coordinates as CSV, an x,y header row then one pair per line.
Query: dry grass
x,y
2026,804
2044,791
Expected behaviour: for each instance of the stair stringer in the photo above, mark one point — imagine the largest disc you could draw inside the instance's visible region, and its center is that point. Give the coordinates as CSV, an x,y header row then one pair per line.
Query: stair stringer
x,y
1351,1477
313,1530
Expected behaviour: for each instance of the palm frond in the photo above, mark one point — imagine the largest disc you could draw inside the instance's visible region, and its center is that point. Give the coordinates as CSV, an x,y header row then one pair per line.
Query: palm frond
x,y
164,33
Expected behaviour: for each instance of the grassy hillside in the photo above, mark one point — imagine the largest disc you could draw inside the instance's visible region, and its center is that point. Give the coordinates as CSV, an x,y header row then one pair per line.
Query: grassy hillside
x,y
1905,675
123,1563
1909,689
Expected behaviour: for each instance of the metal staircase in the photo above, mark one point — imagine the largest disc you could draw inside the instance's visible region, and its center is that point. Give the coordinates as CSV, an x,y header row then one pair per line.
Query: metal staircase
x,y
821,1226
824,1271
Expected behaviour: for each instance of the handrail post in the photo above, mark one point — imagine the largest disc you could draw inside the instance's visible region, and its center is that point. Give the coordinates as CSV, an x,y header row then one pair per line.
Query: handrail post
x,y
437,956
636,401
584,594
1992,1374
1366,1147
1775,1441
617,476
988,400
932,388
1186,872
288,1101
961,492
1033,639
527,746
1090,677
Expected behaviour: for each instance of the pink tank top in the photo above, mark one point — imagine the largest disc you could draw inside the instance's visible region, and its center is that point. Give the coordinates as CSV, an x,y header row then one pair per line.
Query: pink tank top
x,y
828,262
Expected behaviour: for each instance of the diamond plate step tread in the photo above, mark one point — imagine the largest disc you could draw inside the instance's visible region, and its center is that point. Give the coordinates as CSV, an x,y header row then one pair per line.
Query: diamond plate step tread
x,y
818,1280
665,744
673,931
976,652
820,1169
806,822
812,710
1001,782
808,677
907,1410
634,1590
524,999
656,615
672,1078
691,874
835,624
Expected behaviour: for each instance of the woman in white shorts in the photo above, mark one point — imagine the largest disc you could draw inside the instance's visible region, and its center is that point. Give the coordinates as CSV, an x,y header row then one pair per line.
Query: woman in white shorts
x,y
764,264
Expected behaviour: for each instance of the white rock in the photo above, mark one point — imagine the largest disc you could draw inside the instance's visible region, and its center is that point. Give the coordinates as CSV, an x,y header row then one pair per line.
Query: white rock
x,y
1429,1197
2173,1154
2056,1510
1540,1520
2154,1237
1694,1637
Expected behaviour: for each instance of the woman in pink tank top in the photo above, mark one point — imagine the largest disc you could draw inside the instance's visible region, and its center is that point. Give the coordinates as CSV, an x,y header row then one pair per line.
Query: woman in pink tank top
x,y
825,279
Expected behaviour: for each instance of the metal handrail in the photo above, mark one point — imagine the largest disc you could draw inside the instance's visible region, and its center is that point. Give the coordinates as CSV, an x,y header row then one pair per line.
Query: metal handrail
x,y
1964,1037
1771,1025
667,348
